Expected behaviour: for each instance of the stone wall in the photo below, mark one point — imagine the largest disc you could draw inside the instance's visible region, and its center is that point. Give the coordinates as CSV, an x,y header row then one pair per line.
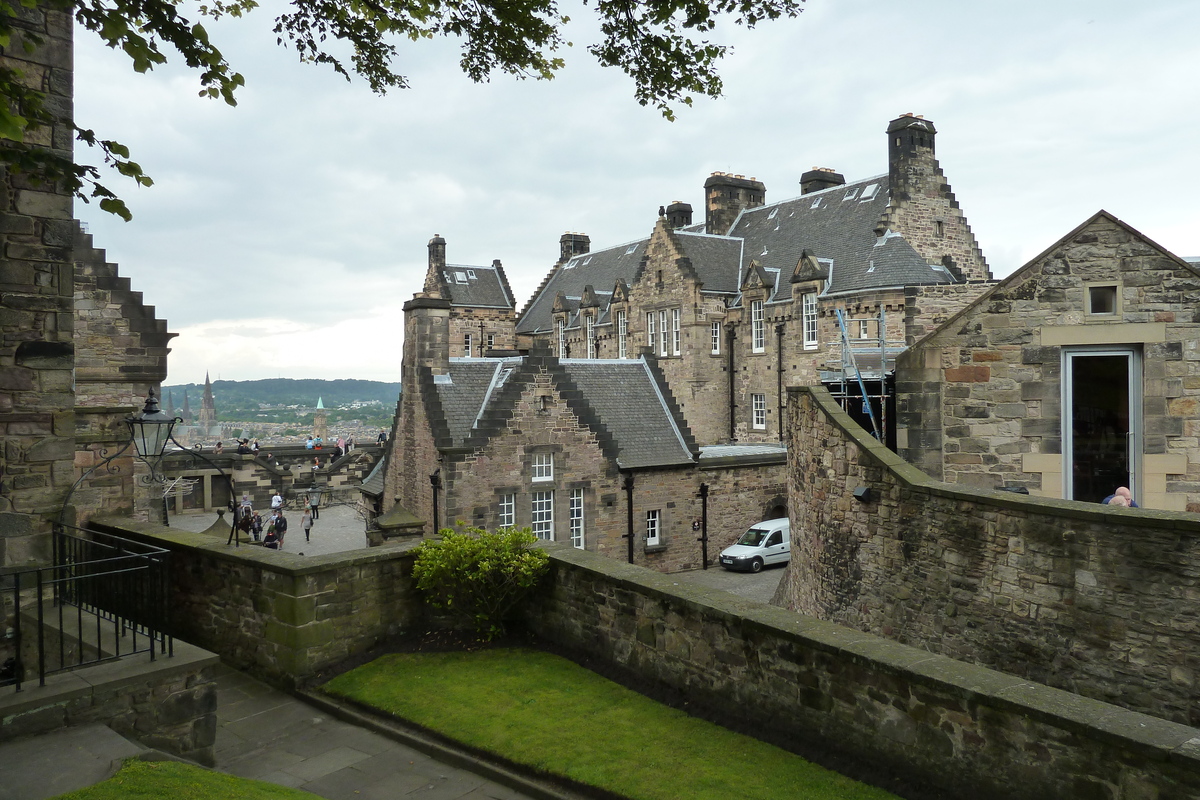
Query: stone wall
x,y
802,682
36,354
169,704
1094,599
120,354
282,616
806,683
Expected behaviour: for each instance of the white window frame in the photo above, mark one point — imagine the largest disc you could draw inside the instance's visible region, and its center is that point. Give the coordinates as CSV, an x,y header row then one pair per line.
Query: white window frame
x,y
491,341
758,326
506,516
622,335
542,466
662,327
758,406
589,330
675,332
808,315
468,344
864,331
650,329
653,527
575,517
562,338
541,515
715,333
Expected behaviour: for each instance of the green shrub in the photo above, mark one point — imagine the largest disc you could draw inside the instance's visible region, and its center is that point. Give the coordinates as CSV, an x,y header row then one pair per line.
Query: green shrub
x,y
479,577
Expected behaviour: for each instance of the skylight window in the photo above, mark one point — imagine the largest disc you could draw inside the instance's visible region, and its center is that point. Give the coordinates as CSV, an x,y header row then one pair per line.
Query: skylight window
x,y
850,195
571,264
869,192
816,203
630,249
460,277
774,211
587,261
471,274
872,267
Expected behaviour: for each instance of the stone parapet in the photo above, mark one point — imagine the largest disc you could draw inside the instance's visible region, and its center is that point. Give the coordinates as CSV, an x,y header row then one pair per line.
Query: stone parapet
x,y
1094,599
282,616
169,704
805,683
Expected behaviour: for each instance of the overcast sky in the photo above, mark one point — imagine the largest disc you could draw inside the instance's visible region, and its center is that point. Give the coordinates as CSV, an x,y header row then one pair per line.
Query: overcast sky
x,y
282,237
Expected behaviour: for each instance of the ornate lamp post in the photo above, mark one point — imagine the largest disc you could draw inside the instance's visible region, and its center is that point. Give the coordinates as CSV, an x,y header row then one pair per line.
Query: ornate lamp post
x,y
149,433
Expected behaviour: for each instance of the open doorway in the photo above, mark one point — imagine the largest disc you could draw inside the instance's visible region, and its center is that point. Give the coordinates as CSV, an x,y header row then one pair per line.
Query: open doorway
x,y
1101,421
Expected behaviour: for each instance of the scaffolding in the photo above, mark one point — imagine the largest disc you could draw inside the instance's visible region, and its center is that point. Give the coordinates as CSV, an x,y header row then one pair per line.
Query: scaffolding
x,y
864,359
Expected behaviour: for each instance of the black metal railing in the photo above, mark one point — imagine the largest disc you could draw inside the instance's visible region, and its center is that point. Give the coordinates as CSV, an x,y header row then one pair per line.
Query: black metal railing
x,y
105,597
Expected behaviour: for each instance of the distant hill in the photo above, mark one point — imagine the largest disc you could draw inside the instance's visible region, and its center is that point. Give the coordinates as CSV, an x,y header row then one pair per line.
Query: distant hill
x,y
288,392
280,400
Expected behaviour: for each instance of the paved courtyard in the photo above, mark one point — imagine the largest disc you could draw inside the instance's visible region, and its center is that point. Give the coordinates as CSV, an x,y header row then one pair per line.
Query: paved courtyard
x,y
339,528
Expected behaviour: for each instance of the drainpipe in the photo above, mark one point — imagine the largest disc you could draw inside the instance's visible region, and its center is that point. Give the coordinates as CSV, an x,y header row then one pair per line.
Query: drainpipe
x,y
704,524
732,336
779,376
435,481
628,487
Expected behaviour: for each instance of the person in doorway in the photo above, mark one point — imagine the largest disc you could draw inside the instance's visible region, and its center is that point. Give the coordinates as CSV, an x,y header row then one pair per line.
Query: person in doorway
x,y
306,523
1124,493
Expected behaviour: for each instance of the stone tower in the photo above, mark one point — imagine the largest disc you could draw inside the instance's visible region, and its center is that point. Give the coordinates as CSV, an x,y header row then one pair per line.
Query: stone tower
x,y
320,421
187,410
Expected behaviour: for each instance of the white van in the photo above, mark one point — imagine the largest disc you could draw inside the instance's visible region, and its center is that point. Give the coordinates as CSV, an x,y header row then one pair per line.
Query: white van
x,y
767,542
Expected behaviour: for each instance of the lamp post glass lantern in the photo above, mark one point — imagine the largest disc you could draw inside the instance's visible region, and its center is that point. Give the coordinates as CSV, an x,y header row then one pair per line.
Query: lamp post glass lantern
x,y
314,496
151,430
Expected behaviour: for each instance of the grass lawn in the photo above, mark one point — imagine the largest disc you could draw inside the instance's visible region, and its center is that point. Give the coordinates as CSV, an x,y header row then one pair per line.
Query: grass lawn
x,y
171,780
549,713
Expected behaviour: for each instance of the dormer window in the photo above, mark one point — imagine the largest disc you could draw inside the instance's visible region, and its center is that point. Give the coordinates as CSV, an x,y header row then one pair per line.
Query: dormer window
x,y
1102,299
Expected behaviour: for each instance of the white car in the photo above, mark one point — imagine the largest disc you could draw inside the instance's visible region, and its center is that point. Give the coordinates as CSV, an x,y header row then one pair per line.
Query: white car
x,y
767,542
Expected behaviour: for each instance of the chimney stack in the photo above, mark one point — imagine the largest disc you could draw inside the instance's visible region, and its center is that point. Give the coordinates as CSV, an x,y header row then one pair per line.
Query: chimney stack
x,y
573,244
679,215
819,178
725,196
911,160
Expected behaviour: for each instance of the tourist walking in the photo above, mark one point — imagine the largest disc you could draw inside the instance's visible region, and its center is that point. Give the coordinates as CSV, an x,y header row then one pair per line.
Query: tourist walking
x,y
306,523
281,526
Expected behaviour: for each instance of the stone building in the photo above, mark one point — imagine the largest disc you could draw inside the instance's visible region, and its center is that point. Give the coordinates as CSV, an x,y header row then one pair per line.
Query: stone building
x,y
71,331
741,306
1078,373
592,452
715,318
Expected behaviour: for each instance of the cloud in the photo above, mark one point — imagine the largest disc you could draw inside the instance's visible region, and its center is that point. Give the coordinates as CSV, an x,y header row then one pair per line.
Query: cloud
x,y
311,203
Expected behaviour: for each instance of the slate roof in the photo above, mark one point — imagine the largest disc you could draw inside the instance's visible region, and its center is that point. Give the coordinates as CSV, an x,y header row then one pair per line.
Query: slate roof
x,y
464,390
623,396
715,259
838,226
373,483
482,287
627,400
600,268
